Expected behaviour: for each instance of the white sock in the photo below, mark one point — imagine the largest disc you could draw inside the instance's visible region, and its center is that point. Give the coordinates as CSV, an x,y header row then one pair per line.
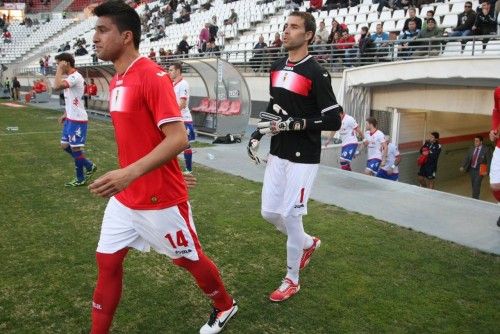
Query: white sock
x,y
275,219
294,246
308,241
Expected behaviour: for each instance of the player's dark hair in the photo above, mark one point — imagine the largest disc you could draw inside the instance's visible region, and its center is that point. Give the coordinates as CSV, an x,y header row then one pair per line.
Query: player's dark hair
x,y
177,66
309,22
67,57
435,134
468,3
123,16
372,121
479,137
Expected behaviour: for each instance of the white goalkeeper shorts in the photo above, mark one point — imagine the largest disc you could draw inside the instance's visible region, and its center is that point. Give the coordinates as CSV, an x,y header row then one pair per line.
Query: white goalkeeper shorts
x,y
495,167
169,231
287,186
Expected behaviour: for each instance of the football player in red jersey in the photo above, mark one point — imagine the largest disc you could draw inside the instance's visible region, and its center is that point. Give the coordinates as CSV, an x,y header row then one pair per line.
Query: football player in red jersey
x,y
148,204
495,138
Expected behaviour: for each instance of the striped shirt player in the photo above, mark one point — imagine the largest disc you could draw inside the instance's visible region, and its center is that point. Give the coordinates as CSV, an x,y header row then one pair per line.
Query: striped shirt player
x,y
181,90
302,96
390,169
75,118
348,132
374,140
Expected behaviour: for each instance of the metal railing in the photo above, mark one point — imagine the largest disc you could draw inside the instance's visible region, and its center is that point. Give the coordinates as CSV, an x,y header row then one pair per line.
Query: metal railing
x,y
337,57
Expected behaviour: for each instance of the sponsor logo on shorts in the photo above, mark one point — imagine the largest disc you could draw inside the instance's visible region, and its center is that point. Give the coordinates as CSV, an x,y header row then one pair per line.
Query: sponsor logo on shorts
x,y
96,306
184,251
298,206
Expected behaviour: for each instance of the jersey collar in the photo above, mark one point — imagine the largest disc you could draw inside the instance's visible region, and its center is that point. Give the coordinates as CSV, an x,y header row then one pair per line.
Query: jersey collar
x,y
292,64
130,66
180,78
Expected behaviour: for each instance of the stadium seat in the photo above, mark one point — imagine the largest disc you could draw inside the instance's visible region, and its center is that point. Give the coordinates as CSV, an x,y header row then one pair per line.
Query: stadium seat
x,y
473,48
492,48
449,21
452,49
389,26
398,14
442,9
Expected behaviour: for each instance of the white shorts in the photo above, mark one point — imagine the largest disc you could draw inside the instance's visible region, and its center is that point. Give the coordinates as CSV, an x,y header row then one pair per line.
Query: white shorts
x,y
169,231
287,186
495,167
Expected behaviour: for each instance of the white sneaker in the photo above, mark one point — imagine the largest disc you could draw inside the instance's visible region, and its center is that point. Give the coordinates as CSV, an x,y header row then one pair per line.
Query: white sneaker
x,y
218,319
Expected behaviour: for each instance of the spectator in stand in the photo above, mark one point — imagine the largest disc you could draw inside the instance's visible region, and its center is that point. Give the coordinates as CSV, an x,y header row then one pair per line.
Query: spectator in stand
x,y
428,15
465,22
168,14
258,53
294,4
380,38
16,88
214,28
173,4
67,47
331,4
315,6
431,48
405,45
346,43
207,5
184,17
152,54
337,52
41,62
162,56
318,50
212,49
233,18
336,27
7,36
365,47
203,38
275,46
485,23
412,12
95,60
183,47
428,168
81,51
159,34
323,33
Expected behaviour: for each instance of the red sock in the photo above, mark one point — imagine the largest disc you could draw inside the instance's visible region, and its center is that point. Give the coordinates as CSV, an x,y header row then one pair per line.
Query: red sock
x,y
208,279
496,193
108,290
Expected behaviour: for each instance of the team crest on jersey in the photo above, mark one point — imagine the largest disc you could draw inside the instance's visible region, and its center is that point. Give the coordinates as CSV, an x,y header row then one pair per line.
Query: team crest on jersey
x,y
161,74
116,102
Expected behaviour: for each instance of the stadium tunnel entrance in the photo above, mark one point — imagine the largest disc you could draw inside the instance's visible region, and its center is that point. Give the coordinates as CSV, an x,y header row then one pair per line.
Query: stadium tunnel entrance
x,y
410,99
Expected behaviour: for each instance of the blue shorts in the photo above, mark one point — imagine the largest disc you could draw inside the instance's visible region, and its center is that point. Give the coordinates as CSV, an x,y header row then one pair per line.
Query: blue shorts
x,y
74,133
382,173
190,131
373,165
347,153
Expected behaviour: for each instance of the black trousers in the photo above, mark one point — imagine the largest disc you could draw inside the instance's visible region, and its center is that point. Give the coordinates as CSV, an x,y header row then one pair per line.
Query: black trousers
x,y
476,181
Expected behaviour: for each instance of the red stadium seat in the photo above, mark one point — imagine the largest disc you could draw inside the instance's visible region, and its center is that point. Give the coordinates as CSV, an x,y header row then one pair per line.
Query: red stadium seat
x,y
203,106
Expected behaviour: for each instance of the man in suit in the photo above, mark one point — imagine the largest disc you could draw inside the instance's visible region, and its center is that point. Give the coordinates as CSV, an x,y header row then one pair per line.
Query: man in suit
x,y
477,155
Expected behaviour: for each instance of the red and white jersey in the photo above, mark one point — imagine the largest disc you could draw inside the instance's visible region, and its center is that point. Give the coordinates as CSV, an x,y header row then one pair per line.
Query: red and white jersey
x,y
73,93
141,100
181,89
375,141
348,130
392,154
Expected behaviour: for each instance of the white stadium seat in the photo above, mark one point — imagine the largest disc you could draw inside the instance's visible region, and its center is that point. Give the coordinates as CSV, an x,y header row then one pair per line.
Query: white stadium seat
x,y
452,49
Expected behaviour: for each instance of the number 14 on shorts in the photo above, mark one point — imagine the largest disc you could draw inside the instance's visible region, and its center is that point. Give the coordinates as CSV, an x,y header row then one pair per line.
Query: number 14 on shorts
x,y
180,239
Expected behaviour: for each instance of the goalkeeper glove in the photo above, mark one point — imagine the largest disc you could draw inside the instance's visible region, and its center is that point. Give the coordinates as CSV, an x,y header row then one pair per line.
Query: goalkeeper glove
x,y
274,127
253,146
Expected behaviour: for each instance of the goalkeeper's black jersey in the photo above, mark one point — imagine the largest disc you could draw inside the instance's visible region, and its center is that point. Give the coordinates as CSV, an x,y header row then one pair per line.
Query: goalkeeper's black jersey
x,y
303,90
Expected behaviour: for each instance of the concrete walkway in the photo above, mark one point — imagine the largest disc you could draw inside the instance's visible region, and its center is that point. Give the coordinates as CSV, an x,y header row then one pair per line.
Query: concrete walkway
x,y
463,220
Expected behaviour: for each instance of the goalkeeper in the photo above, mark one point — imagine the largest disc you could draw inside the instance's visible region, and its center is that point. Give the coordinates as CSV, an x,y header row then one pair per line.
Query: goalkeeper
x,y
302,105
